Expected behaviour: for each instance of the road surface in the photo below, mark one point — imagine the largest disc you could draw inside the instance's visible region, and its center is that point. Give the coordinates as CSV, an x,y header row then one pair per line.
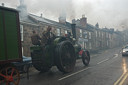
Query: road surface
x,y
106,68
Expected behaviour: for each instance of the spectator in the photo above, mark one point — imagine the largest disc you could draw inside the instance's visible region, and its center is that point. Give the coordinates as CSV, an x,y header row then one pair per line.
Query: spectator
x,y
47,36
35,38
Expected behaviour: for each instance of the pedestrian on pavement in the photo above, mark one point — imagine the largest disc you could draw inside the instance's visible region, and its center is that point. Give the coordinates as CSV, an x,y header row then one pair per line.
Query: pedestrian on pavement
x,y
35,38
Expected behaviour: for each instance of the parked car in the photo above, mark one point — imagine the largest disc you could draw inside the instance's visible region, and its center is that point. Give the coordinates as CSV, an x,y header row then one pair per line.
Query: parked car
x,y
125,51
24,65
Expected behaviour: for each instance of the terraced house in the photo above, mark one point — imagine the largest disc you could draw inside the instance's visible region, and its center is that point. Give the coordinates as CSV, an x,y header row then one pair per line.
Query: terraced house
x,y
30,22
94,38
89,37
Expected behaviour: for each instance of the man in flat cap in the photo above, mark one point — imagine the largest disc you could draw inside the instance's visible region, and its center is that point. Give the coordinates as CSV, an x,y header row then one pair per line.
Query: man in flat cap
x,y
46,36
35,38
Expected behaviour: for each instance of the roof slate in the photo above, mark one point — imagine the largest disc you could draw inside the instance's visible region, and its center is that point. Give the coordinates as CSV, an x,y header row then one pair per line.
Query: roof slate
x,y
51,22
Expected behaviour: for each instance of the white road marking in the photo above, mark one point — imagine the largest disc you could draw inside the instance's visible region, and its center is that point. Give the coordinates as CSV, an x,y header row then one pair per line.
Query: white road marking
x,y
116,55
73,74
103,61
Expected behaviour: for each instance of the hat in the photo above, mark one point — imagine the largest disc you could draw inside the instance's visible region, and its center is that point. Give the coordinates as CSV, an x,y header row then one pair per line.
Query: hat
x,y
34,31
49,28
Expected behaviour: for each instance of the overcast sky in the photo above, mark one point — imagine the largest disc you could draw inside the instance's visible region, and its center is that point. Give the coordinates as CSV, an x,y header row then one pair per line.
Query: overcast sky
x,y
108,13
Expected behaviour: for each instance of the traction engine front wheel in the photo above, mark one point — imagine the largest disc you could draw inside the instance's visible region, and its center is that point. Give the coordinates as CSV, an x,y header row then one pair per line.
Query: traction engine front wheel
x,y
85,58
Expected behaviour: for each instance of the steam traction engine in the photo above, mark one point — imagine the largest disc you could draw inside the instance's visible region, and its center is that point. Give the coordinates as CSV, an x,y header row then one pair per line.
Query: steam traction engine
x,y
10,46
61,51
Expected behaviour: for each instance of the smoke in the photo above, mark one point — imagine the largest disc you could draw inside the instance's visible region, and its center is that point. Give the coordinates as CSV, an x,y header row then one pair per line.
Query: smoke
x,y
108,13
124,24
10,3
52,8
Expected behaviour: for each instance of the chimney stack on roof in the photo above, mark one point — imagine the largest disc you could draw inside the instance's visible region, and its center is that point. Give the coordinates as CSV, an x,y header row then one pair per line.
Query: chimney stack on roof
x,y
97,25
23,9
83,16
83,21
3,4
62,17
41,15
73,21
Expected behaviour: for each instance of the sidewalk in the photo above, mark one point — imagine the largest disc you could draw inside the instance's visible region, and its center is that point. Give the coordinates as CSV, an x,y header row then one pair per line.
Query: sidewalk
x,y
105,50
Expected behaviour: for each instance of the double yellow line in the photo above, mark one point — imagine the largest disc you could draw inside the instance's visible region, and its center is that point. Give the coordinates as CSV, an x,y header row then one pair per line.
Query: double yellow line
x,y
122,79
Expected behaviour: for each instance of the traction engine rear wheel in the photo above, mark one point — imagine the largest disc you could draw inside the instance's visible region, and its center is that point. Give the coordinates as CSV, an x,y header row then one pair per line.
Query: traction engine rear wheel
x,y
9,76
65,56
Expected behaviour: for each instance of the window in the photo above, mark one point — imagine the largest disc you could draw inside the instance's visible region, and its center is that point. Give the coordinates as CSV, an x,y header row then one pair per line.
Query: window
x,y
109,36
80,32
102,34
58,32
22,51
90,35
81,43
99,34
107,42
85,34
96,33
66,32
85,45
96,44
106,35
21,31
90,46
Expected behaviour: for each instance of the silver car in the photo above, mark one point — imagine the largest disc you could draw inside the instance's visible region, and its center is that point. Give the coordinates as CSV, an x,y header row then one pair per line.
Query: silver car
x,y
125,51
